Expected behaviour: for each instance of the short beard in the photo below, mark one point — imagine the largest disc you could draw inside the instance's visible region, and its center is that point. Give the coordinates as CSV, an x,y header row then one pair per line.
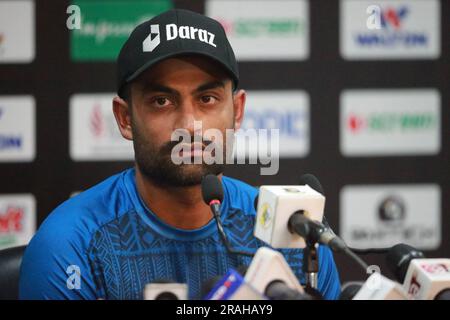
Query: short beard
x,y
157,165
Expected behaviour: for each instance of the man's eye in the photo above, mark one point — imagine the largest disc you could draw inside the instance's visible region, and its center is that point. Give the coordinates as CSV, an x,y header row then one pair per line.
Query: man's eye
x,y
208,99
161,102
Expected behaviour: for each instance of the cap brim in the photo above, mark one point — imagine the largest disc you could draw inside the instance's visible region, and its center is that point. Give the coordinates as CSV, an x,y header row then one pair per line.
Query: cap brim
x,y
151,63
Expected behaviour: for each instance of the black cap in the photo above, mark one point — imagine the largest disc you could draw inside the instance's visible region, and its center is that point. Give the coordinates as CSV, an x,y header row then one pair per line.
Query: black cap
x,y
173,33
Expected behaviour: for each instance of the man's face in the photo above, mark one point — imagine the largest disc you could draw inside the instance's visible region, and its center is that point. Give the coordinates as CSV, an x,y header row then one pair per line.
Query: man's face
x,y
170,96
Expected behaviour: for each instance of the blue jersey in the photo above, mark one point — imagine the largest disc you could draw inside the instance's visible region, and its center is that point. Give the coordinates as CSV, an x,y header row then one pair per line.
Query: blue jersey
x,y
105,243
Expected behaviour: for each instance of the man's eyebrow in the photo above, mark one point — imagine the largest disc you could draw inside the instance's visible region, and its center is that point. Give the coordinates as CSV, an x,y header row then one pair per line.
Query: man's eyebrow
x,y
155,87
210,85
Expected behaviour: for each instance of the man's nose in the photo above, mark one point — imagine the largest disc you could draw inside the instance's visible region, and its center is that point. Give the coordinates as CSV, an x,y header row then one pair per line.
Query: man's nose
x,y
187,118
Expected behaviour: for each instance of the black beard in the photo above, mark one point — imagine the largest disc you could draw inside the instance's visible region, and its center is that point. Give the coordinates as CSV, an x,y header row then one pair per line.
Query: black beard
x,y
157,166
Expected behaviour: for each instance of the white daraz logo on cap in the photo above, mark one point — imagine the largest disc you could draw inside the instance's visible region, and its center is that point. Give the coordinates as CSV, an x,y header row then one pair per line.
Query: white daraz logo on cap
x,y
173,32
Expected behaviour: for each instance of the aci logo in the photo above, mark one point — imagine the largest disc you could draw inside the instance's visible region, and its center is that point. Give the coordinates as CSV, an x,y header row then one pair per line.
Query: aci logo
x,y
392,121
11,219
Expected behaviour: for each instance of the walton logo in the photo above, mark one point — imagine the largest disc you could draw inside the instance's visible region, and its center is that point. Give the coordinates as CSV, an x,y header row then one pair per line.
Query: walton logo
x,y
391,33
173,32
392,17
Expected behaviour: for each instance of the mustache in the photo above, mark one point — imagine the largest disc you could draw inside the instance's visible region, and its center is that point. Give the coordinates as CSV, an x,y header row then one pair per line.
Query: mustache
x,y
167,147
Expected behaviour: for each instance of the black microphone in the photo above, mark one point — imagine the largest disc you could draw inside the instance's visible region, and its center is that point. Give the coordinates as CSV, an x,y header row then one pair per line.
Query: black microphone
x,y
350,290
399,257
315,232
278,290
314,183
212,193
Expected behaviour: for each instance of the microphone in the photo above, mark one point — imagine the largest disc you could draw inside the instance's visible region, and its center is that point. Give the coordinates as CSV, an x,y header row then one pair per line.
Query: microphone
x,y
312,181
163,289
428,279
276,204
378,287
212,193
270,274
315,232
233,287
399,257
350,289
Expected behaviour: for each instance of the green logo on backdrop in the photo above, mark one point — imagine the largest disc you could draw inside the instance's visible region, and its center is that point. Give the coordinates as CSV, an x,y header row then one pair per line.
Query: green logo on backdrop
x,y
105,26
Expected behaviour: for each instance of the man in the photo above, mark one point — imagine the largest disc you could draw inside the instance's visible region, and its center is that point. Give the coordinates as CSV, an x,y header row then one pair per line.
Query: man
x,y
150,222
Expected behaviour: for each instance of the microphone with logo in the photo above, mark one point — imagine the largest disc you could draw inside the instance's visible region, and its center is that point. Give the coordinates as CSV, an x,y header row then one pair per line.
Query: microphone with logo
x,y
423,279
163,289
298,210
270,274
231,286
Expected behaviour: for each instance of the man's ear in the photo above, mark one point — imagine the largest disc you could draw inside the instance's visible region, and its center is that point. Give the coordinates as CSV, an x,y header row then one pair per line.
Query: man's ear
x,y
239,104
122,113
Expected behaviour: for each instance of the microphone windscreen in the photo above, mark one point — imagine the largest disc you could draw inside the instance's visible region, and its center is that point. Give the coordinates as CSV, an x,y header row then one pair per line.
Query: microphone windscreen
x,y
312,181
399,257
350,290
211,189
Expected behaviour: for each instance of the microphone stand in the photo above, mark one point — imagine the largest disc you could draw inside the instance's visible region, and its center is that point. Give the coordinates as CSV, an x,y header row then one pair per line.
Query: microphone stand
x,y
311,264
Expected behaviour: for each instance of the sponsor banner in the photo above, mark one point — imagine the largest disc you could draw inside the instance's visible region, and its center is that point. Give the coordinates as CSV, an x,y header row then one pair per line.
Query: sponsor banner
x,y
17,219
389,29
390,122
17,128
17,31
286,111
105,26
374,216
264,30
94,134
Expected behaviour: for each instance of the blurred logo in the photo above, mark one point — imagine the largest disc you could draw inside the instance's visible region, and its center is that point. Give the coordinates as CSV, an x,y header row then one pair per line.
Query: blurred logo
x,y
17,123
11,219
266,216
383,215
392,121
103,32
392,18
393,29
286,111
414,286
17,31
17,219
258,27
9,141
392,21
436,268
264,30
392,211
94,134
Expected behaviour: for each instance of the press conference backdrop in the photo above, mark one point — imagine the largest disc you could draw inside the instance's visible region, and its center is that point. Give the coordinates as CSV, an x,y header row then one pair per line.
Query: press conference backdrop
x,y
360,95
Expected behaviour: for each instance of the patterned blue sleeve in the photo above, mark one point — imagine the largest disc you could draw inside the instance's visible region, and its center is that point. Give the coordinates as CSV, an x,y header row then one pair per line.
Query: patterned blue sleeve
x,y
329,282
55,264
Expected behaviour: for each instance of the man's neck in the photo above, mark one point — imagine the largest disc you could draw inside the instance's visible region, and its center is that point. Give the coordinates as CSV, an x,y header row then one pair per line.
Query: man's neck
x,y
179,207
